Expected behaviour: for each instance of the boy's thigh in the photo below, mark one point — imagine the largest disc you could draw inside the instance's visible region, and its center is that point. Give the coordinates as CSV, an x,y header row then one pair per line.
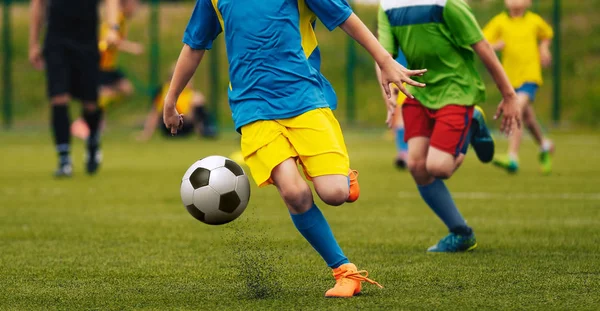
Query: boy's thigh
x,y
317,138
264,146
57,68
418,121
451,127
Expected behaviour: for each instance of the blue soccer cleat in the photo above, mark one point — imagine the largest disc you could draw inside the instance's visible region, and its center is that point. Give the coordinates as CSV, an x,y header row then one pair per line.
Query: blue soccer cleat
x,y
455,243
481,138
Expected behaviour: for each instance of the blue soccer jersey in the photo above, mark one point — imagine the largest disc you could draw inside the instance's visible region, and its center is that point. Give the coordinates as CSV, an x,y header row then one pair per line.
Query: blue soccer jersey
x,y
274,59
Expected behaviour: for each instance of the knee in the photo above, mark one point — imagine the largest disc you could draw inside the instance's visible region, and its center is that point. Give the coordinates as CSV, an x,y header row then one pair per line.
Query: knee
x,y
126,88
440,170
416,166
335,195
297,196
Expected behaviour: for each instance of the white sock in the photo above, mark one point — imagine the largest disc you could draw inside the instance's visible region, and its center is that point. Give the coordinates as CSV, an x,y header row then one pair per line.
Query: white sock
x,y
546,145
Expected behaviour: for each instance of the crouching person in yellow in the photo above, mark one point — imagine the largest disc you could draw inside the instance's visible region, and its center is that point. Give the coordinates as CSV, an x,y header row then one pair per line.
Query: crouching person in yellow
x,y
281,104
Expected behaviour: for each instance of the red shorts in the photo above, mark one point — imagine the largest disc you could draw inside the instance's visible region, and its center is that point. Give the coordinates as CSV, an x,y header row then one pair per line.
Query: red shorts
x,y
447,128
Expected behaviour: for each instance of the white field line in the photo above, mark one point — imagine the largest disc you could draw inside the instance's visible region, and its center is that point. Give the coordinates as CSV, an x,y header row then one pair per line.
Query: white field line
x,y
513,196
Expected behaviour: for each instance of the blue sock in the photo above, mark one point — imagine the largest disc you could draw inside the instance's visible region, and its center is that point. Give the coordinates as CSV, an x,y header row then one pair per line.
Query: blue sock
x,y
315,229
437,196
401,145
467,139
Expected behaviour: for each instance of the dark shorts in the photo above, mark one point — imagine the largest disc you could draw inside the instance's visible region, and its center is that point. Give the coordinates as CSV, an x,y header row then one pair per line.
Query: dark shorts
x,y
110,78
188,128
446,128
528,88
72,68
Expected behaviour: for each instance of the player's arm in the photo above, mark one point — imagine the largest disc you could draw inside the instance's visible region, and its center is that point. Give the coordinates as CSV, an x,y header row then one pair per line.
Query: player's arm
x,y
462,24
492,32
188,61
545,54
508,107
36,19
391,70
337,13
545,35
112,18
131,47
201,31
386,39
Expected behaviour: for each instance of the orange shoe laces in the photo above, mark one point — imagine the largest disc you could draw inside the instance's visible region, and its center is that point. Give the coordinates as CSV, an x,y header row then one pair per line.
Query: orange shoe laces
x,y
361,275
353,175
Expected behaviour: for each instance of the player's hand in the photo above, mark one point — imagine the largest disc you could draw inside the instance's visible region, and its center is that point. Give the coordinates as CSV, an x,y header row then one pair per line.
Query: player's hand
x,y
112,38
173,120
393,72
545,57
510,113
35,57
499,46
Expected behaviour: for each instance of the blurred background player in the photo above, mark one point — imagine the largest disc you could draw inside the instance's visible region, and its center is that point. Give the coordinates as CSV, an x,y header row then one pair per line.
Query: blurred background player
x,y
444,38
70,57
114,85
191,104
524,39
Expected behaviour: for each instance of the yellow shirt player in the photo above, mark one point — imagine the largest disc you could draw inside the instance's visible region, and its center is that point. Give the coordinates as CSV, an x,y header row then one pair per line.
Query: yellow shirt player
x,y
524,39
113,83
191,104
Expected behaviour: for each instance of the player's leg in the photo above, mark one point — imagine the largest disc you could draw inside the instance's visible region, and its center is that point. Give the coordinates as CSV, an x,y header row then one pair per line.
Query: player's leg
x,y
107,95
58,81
401,145
123,85
480,137
317,138
60,121
443,156
85,69
546,145
510,162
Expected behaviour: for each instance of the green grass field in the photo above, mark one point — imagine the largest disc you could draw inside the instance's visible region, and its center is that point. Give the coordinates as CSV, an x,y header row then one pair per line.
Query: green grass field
x,y
122,240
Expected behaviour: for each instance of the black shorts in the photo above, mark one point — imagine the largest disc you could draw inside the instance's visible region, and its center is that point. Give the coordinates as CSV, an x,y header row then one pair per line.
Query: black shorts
x,y
110,78
72,68
188,128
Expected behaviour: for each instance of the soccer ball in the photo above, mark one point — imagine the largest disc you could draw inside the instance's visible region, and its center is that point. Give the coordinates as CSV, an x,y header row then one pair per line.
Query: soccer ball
x,y
215,190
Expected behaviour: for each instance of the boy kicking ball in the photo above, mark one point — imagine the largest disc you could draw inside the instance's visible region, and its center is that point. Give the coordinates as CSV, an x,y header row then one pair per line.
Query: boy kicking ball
x,y
524,39
282,106
444,37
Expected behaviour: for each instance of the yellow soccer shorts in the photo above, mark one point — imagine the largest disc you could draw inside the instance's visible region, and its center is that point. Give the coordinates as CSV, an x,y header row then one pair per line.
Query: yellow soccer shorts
x,y
314,139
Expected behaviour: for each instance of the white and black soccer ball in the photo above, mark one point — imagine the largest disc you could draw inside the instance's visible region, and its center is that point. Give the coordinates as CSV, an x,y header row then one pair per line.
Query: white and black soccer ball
x,y
215,190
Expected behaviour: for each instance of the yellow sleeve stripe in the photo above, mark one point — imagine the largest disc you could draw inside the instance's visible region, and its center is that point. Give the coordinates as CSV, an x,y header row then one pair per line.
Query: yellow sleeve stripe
x,y
215,4
307,33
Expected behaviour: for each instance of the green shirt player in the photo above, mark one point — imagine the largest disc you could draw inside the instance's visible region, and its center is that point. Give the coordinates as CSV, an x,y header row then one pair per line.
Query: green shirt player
x,y
444,37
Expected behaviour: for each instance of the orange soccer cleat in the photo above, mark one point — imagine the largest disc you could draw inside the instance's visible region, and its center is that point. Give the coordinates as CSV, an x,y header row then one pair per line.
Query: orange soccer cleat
x,y
348,281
